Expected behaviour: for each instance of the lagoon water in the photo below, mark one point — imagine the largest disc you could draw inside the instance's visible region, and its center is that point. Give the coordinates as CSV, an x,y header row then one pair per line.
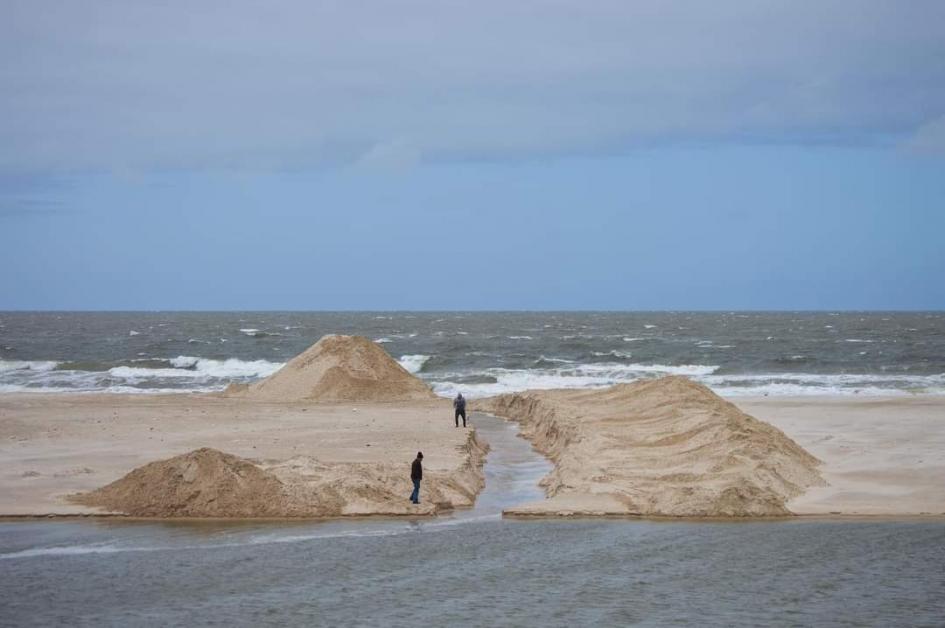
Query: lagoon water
x,y
475,568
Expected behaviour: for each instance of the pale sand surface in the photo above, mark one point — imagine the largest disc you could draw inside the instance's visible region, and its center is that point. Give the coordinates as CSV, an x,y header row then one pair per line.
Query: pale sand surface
x,y
55,445
881,455
665,447
614,456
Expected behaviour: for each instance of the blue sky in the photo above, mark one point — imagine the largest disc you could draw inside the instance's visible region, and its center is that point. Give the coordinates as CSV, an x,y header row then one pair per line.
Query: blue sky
x,y
460,155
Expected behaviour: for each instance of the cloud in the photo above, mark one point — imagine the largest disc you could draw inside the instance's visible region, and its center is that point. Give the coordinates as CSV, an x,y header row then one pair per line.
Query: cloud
x,y
29,208
929,139
138,86
393,156
31,196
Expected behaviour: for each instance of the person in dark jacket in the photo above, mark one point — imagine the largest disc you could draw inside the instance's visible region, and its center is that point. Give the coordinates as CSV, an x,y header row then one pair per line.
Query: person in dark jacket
x,y
416,474
459,404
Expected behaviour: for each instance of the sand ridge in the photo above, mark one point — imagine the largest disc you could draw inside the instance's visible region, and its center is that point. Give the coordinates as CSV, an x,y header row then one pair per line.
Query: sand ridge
x,y
666,447
338,368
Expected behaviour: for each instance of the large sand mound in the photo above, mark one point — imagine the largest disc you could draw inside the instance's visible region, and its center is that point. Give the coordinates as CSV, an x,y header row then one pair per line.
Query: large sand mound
x,y
209,483
339,368
660,447
202,483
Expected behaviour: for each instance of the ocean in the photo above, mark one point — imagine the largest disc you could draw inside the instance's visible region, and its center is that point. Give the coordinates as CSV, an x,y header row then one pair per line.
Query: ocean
x,y
481,354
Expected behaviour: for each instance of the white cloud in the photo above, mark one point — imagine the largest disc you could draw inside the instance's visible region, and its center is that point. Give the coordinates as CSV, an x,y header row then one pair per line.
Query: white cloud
x,y
929,139
282,85
393,156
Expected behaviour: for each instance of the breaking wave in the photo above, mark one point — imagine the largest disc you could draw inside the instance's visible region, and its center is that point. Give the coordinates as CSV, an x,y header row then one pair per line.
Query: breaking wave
x,y
413,363
180,374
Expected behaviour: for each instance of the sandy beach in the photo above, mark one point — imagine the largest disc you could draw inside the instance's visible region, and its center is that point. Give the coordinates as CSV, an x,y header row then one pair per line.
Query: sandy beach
x,y
877,456
56,445
880,456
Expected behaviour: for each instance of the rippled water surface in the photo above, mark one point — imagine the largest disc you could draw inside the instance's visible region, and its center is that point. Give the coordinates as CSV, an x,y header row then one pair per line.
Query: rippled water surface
x,y
775,353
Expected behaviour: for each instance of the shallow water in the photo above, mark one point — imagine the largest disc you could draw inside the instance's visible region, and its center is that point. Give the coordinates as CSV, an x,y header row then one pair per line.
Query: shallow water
x,y
475,568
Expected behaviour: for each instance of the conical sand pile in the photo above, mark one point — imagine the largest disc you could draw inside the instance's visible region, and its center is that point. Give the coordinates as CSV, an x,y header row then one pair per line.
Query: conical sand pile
x,y
340,368
202,483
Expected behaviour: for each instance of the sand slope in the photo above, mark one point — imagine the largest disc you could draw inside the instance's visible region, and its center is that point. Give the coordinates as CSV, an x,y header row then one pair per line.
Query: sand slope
x,y
339,368
667,447
209,483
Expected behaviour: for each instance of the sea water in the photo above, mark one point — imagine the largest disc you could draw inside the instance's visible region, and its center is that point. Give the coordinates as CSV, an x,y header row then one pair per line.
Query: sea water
x,y
479,354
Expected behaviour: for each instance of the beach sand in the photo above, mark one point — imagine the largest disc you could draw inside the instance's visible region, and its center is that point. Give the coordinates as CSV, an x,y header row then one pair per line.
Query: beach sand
x,y
668,447
881,455
878,456
55,445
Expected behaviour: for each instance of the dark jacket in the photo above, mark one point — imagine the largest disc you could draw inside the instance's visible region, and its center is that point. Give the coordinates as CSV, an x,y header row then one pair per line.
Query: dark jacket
x,y
460,403
416,471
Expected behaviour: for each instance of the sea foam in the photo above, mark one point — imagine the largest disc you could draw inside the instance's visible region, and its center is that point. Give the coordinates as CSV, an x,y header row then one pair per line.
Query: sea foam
x,y
413,363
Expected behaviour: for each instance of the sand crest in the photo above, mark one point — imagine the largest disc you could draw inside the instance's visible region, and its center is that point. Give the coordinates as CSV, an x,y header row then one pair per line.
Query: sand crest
x,y
339,368
666,447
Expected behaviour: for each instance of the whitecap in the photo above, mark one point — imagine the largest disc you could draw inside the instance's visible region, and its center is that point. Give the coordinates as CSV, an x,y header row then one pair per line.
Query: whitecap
x,y
40,366
188,367
413,363
613,354
543,358
568,376
256,333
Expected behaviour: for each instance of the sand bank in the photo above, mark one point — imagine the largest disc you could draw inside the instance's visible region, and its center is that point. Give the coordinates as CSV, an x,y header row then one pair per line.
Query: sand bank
x,y
667,447
56,445
332,433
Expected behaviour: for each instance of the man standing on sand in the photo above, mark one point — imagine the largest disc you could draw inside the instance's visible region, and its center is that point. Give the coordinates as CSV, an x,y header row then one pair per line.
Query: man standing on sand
x,y
459,404
416,474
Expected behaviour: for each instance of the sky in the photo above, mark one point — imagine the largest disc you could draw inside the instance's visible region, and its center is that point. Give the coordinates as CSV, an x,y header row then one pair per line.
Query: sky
x,y
472,155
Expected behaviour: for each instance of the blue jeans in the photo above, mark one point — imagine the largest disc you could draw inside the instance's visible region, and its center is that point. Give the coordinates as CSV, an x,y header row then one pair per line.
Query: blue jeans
x,y
415,496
